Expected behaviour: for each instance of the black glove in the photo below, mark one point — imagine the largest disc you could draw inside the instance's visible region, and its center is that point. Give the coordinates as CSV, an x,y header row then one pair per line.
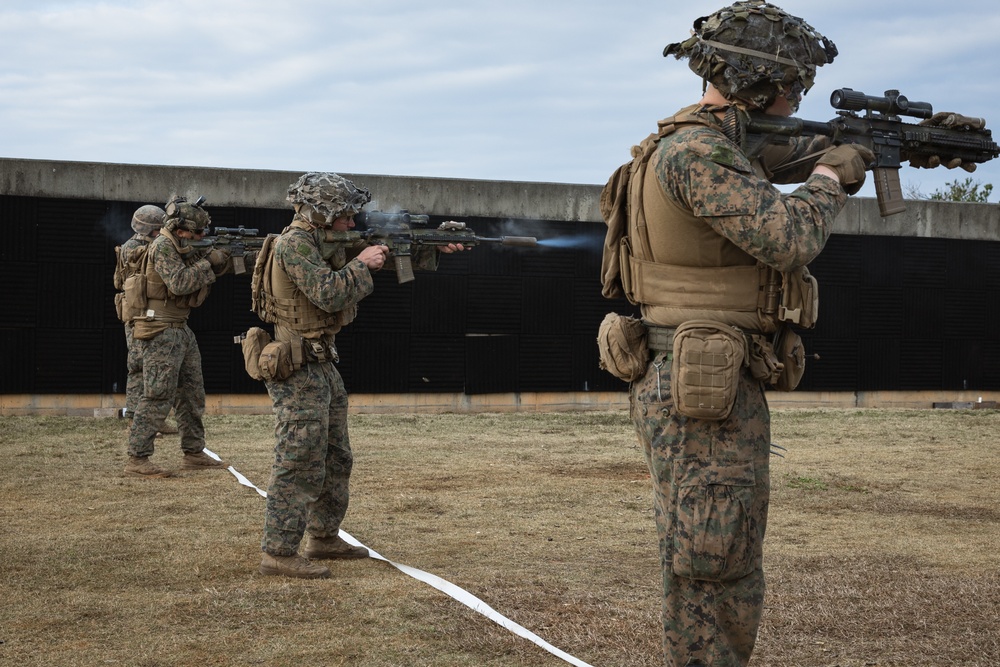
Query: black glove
x,y
850,161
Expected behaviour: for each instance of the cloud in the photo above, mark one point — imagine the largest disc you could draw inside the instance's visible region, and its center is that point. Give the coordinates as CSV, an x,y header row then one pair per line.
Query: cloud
x,y
535,91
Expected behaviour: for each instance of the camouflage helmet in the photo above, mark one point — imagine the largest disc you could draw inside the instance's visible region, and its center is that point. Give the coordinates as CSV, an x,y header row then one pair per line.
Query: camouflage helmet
x,y
147,219
329,195
182,214
753,51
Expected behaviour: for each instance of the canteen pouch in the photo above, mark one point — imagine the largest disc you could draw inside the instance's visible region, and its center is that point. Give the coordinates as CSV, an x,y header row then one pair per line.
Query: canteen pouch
x,y
275,361
705,371
790,351
253,344
713,538
621,343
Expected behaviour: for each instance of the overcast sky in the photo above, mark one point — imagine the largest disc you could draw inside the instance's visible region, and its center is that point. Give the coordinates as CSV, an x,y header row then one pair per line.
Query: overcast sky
x,y
540,90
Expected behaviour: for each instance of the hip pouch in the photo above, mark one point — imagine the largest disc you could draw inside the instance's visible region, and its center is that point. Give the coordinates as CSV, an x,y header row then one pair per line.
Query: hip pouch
x,y
705,372
275,361
621,343
253,344
713,537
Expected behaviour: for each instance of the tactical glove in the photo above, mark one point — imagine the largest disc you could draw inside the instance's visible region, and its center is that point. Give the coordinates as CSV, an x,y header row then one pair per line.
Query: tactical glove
x,y
218,258
850,162
948,120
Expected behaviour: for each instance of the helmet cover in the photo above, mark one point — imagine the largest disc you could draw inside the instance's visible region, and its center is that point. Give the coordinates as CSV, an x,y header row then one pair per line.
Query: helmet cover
x,y
329,195
182,214
753,51
147,219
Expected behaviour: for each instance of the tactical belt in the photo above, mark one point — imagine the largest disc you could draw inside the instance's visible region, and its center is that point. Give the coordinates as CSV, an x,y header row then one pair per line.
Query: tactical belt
x,y
316,350
659,339
165,323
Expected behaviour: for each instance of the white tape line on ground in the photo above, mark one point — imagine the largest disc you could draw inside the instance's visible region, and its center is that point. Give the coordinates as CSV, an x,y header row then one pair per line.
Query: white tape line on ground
x,y
446,587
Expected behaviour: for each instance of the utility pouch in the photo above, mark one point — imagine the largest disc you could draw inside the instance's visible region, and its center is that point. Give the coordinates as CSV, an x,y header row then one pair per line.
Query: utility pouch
x,y
790,351
118,278
625,264
253,344
275,361
120,306
135,293
705,371
713,539
799,298
764,363
621,343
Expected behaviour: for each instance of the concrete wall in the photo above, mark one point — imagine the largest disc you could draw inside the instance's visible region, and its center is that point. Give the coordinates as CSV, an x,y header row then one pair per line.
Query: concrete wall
x,y
441,196
267,189
458,197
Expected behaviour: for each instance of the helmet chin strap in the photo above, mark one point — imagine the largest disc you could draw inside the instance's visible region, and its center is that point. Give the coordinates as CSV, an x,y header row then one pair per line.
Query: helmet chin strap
x,y
310,216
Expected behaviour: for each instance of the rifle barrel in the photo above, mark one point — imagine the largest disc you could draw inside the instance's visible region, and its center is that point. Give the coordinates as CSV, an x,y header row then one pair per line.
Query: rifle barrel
x,y
510,241
519,241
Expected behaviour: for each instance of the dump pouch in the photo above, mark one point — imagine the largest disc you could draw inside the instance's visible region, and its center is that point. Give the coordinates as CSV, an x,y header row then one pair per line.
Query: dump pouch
x,y
621,343
253,344
705,372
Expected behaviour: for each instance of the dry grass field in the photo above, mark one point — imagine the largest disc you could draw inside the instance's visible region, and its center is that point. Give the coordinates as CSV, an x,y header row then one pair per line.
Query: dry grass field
x,y
883,545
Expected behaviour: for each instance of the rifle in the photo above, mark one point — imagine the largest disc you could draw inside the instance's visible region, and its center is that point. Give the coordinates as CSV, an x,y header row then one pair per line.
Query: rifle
x,y
881,129
395,231
234,239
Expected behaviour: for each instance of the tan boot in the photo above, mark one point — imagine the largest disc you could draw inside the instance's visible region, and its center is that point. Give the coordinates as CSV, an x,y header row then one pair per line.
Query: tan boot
x,y
141,466
333,547
166,428
291,566
200,461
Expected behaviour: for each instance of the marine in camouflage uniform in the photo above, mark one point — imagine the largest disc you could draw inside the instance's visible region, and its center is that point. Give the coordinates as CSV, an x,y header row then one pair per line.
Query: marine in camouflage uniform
x,y
146,222
178,278
711,210
309,291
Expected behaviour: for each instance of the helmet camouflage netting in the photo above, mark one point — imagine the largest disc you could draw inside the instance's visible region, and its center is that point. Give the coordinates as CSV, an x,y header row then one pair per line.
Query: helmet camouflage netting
x,y
754,51
329,194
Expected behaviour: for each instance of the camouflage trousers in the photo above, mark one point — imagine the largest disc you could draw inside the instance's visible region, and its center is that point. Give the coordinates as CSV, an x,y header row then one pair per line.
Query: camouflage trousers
x,y
308,489
171,376
711,486
133,381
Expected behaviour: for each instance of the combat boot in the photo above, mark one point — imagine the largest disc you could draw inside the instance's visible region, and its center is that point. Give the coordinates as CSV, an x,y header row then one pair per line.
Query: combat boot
x,y
291,566
332,547
200,461
141,466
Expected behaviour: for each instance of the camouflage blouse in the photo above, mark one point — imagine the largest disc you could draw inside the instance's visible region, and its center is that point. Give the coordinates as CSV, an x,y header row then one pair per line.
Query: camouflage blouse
x,y
707,174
